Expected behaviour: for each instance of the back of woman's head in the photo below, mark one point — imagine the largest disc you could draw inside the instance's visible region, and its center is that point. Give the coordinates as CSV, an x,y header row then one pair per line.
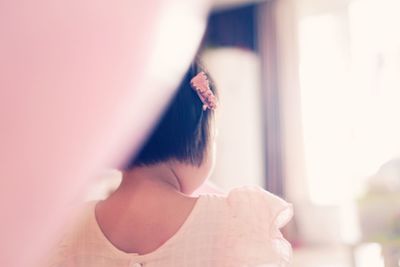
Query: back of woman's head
x,y
183,131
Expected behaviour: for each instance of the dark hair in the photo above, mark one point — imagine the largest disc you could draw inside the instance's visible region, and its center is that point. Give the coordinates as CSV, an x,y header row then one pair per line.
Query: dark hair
x,y
183,131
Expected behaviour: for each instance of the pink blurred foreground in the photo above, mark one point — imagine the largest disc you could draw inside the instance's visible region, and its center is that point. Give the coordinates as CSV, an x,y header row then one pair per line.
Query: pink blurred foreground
x,y
81,83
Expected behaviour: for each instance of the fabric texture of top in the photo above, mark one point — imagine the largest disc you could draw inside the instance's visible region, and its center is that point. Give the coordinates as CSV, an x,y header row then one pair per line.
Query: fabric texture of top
x,y
238,229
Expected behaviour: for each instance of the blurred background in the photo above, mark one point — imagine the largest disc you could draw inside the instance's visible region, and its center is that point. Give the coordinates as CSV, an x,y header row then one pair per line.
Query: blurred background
x,y
310,105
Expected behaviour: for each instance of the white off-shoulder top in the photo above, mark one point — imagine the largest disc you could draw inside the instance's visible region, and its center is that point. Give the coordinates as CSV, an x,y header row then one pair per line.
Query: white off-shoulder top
x,y
238,229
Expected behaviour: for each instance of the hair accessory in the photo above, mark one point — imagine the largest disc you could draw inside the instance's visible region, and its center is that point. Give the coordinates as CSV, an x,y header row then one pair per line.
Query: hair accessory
x,y
201,85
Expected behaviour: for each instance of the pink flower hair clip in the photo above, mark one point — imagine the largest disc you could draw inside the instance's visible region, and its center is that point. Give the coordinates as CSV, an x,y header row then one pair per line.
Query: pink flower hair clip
x,y
201,85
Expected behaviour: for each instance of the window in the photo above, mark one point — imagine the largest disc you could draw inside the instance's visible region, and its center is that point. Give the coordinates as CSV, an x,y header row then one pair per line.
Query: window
x,y
350,87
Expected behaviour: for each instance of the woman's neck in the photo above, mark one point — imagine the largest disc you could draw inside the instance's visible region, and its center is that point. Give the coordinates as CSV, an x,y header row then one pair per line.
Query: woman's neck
x,y
161,176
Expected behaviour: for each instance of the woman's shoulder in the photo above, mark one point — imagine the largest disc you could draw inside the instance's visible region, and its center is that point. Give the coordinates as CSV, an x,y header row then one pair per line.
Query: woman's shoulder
x,y
80,224
252,218
69,240
253,201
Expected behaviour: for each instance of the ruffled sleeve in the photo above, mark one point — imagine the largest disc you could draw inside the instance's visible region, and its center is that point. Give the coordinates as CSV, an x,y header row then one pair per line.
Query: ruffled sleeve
x,y
256,219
